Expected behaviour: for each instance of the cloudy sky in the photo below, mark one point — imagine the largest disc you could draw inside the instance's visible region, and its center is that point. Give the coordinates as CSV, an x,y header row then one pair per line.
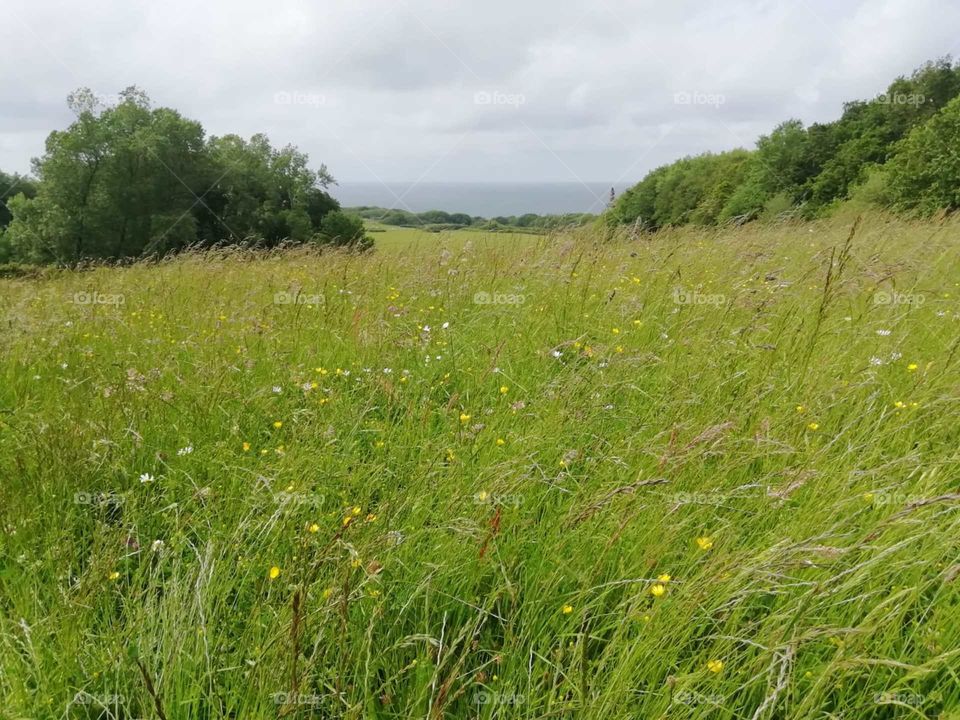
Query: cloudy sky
x,y
486,90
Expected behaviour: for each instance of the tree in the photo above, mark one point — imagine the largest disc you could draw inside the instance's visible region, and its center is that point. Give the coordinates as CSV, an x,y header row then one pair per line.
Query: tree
x,y
924,174
117,182
130,180
10,186
339,228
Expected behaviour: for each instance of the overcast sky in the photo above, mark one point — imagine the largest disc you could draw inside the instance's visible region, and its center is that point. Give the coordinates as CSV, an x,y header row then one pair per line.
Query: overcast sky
x,y
485,90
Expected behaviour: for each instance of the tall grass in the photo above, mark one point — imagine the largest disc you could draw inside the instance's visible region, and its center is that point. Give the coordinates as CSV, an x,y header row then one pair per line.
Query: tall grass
x,y
451,479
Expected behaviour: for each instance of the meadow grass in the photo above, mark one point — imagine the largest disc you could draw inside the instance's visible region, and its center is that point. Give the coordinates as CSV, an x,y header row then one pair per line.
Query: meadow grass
x,y
393,238
700,474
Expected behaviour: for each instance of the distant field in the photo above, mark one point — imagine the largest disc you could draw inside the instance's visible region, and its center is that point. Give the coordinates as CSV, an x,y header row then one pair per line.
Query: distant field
x,y
392,238
701,474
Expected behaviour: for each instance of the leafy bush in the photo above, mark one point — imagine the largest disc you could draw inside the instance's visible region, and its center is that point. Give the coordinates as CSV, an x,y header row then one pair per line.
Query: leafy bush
x,y
339,228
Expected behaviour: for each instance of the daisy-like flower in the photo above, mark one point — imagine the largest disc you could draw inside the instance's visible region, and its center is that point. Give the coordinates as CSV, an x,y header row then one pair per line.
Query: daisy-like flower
x,y
146,478
277,389
185,450
658,590
157,545
704,543
883,333
314,528
664,578
715,666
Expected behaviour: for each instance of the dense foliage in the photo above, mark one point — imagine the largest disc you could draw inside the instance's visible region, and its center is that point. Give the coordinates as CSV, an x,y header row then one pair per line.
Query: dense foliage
x,y
901,138
133,180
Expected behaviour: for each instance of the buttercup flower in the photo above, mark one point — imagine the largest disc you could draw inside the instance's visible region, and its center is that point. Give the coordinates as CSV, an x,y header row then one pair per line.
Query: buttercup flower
x,y
704,543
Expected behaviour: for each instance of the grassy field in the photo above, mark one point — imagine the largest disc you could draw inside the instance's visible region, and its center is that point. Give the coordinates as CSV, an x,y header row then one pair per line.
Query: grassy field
x,y
704,474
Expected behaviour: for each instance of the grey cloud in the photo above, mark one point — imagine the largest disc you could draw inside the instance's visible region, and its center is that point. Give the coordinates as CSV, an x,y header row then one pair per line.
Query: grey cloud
x,y
389,85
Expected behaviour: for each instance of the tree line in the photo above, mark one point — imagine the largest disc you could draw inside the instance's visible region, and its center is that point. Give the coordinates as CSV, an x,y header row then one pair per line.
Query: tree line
x,y
131,180
900,150
438,220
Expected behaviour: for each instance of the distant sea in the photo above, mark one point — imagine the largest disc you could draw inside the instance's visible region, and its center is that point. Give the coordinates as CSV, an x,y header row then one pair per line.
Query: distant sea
x,y
488,199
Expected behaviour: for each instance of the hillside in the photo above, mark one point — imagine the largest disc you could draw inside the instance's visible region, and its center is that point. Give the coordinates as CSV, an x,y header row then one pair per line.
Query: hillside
x,y
701,473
